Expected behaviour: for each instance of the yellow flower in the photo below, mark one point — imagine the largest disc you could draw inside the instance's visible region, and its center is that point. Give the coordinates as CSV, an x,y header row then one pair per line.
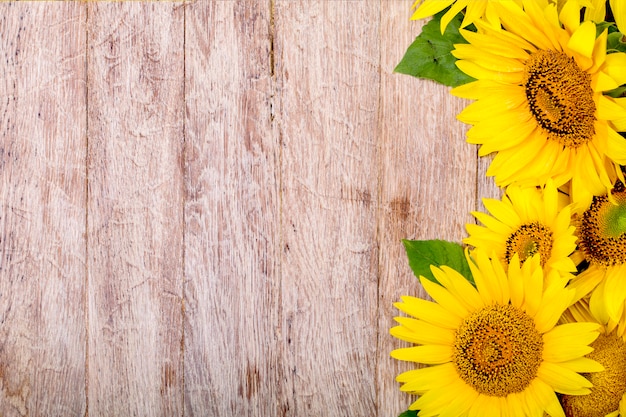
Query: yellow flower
x,y
539,102
619,13
608,394
620,124
474,9
526,222
601,231
494,349
596,11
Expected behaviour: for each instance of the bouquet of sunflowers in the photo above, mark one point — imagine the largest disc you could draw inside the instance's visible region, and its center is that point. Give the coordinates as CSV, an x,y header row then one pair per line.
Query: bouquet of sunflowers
x,y
528,317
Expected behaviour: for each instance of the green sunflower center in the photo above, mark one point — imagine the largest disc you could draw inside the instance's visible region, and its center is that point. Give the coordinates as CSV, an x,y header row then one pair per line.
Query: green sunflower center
x,y
560,97
602,230
528,240
608,386
498,350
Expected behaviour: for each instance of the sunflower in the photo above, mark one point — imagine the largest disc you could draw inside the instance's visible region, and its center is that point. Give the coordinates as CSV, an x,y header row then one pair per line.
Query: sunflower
x,y
608,394
539,103
601,231
474,9
494,349
525,222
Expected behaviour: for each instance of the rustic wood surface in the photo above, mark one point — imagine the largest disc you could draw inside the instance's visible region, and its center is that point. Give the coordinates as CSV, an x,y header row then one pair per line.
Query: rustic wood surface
x,y
203,204
135,102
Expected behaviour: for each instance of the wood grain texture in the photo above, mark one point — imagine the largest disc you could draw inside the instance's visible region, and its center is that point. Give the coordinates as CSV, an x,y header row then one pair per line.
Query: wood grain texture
x,y
487,187
428,183
203,205
42,211
233,279
327,55
135,216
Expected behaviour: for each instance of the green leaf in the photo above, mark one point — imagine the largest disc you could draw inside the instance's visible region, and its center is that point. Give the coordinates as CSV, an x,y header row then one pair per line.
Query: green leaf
x,y
617,92
424,253
409,413
429,55
602,26
615,42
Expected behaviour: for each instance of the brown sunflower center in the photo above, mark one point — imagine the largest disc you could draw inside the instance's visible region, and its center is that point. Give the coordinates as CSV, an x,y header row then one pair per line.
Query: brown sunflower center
x,y
608,386
498,350
528,240
560,97
602,229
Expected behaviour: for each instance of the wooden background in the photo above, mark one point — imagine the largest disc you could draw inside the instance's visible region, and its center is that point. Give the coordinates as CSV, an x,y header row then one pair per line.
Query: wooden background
x,y
202,205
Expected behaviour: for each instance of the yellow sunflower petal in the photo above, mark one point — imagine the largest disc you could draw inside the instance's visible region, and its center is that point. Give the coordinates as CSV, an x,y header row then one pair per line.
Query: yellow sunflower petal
x,y
584,283
585,365
493,224
490,278
615,67
570,16
601,81
563,380
461,402
485,406
540,18
533,287
430,377
620,124
608,109
619,13
421,332
487,59
553,304
430,8
496,45
443,297
492,106
541,393
503,212
476,71
456,8
432,402
597,305
616,147
582,42
516,282
459,287
569,341
428,311
614,294
599,52
428,354
595,10
516,21
474,11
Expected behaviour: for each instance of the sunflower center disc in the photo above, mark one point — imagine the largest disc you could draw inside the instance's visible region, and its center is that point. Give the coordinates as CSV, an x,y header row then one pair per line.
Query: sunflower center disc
x,y
528,240
608,386
602,230
560,97
498,350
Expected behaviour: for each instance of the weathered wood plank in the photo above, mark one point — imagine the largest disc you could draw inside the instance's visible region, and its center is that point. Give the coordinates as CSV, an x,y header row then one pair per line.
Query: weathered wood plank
x,y
135,216
487,187
42,209
327,55
428,182
233,282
